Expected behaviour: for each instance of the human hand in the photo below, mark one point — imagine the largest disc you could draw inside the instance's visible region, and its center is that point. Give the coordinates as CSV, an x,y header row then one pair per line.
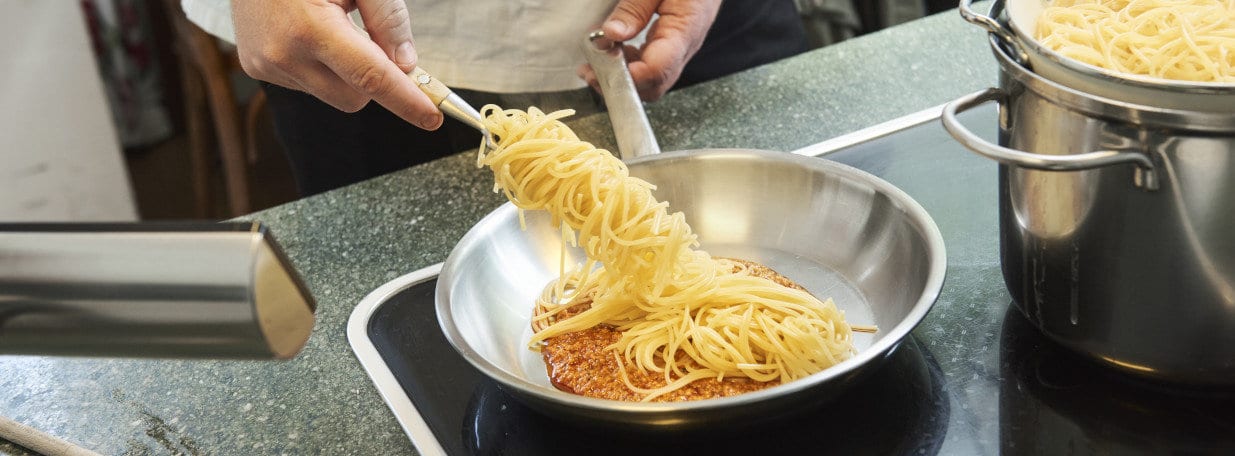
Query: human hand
x,y
672,40
313,46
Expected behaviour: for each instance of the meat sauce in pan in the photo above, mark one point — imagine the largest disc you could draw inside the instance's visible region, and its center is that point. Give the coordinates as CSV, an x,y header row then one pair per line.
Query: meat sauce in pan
x,y
578,363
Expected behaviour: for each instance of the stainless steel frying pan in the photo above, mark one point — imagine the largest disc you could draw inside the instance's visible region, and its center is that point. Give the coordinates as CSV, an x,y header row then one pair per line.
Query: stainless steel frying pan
x,y
838,231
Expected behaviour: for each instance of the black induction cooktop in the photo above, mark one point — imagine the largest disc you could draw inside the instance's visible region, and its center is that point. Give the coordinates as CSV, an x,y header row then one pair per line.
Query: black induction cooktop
x,y
974,378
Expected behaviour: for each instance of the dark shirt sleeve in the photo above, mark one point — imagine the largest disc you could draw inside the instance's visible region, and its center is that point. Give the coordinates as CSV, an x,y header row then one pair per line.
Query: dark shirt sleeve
x,y
746,34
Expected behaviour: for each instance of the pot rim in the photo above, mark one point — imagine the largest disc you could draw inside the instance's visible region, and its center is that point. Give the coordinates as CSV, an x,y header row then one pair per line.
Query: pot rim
x,y
1016,18
1102,107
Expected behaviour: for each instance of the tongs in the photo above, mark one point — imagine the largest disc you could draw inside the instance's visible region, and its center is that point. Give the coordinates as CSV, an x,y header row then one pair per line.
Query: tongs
x,y
450,103
630,123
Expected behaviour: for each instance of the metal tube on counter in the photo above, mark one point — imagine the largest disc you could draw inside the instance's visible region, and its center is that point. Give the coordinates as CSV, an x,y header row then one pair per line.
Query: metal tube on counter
x,y
200,290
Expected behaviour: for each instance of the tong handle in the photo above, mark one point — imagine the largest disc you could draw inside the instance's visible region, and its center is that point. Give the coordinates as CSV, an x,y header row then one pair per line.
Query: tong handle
x,y
430,85
446,100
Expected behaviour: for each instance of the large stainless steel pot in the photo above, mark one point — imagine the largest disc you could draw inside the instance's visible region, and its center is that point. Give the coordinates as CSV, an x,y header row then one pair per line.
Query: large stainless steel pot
x,y
838,231
1013,23
1117,223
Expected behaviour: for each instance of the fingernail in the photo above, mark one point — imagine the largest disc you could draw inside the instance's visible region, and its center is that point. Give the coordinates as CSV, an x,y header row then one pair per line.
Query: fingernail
x,y
618,27
431,122
405,55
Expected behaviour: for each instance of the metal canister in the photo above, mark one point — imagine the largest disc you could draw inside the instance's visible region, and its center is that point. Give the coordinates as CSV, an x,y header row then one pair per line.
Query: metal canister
x,y
143,290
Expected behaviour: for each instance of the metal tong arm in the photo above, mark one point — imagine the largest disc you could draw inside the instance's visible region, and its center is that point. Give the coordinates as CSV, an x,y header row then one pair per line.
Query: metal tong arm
x,y
446,100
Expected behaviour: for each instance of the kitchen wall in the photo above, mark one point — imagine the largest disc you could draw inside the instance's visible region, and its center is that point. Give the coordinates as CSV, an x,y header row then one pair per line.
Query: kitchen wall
x,y
60,158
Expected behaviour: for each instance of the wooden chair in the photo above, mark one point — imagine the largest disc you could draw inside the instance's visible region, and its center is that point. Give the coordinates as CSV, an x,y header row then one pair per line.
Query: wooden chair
x,y
206,69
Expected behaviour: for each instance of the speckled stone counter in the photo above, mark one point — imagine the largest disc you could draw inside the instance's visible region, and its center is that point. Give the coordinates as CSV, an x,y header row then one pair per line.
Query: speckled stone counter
x,y
347,242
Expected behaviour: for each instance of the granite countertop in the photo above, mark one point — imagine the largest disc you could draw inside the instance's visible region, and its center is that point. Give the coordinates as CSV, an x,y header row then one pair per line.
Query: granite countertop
x,y
347,242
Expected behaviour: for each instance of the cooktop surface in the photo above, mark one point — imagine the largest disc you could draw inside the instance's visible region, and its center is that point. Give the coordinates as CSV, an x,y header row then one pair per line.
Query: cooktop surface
x,y
974,378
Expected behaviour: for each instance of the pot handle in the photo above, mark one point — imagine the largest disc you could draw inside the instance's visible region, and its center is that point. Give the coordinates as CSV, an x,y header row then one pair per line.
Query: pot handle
x,y
989,23
630,122
1024,159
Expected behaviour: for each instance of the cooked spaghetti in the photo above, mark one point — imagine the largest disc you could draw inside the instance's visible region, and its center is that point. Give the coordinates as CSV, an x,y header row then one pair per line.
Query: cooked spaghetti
x,y
681,314
1191,40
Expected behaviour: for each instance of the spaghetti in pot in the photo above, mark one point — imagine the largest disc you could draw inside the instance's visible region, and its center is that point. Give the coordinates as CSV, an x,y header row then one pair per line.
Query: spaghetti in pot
x,y
682,314
1190,40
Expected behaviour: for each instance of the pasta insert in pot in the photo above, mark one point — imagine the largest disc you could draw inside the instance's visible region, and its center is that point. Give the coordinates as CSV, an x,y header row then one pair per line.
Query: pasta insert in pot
x,y
1189,40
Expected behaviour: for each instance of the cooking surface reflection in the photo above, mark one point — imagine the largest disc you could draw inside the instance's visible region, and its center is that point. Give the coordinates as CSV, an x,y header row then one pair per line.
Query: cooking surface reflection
x,y
1053,401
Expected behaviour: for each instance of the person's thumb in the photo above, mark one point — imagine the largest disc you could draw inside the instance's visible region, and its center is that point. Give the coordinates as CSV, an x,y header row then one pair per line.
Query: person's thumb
x,y
389,25
628,18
